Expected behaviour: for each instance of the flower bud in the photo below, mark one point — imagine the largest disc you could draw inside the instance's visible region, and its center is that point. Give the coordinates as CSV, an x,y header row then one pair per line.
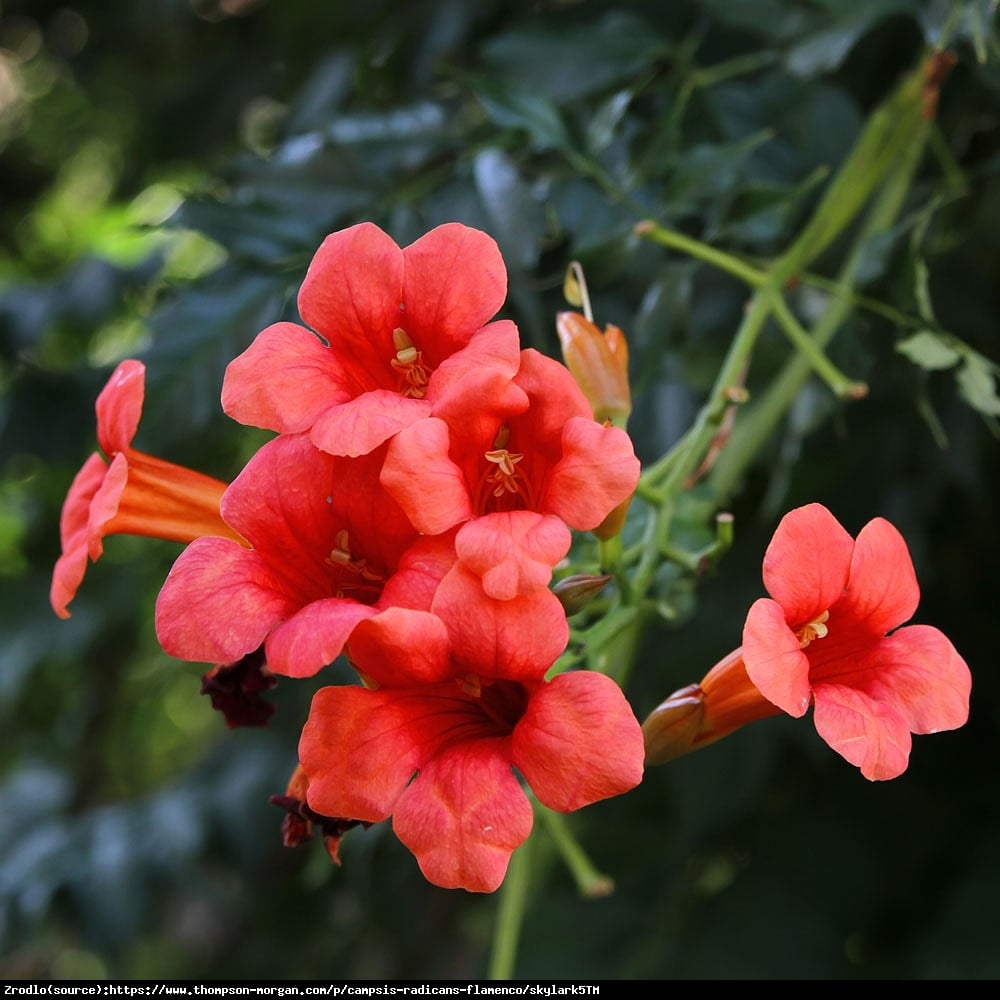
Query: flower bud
x,y
599,363
672,727
699,714
577,591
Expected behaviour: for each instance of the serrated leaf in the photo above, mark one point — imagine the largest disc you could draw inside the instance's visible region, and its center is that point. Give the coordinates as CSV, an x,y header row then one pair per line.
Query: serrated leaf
x,y
929,350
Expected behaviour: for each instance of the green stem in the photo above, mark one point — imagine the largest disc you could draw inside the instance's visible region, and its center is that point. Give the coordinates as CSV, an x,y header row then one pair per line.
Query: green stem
x,y
885,139
591,883
752,276
838,382
723,395
759,422
510,915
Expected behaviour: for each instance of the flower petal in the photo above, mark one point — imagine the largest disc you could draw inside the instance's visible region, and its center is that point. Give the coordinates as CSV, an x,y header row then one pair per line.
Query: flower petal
x,y
517,639
283,381
454,281
218,603
119,407
292,499
352,294
598,470
868,733
104,505
360,425
421,569
423,479
464,815
774,662
806,564
919,672
358,751
555,396
74,533
578,742
479,377
513,552
401,647
882,590
313,637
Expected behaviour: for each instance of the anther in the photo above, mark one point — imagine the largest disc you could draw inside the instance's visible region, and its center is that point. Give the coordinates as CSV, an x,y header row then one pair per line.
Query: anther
x,y
408,362
816,629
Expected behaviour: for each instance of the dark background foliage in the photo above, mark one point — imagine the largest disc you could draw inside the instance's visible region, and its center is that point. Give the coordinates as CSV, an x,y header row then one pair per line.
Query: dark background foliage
x,y
168,168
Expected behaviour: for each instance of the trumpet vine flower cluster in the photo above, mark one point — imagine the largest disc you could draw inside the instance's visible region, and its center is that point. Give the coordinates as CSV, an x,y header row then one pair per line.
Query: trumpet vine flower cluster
x,y
424,481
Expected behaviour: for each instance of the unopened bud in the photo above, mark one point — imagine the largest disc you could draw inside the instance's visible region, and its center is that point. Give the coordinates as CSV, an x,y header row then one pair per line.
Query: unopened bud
x,y
577,591
699,714
672,727
599,363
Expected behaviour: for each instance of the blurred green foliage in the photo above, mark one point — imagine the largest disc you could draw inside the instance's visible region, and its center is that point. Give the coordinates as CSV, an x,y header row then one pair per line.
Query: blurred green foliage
x,y
167,171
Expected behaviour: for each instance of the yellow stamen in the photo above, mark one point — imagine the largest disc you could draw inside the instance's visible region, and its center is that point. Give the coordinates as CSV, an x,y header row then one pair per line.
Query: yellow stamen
x,y
505,474
816,629
341,556
408,362
470,684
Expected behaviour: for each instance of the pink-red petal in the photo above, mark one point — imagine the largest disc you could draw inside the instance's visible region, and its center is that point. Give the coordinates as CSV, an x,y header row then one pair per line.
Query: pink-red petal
x,y
399,647
104,504
284,380
219,602
920,672
806,565
75,534
512,552
353,291
464,815
882,590
360,425
423,479
555,396
119,407
478,378
358,751
578,742
454,282
314,636
866,732
421,569
598,470
774,662
517,639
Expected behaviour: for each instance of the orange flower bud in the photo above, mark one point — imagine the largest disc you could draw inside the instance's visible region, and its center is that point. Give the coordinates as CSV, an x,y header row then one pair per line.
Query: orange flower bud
x,y
672,727
699,714
599,363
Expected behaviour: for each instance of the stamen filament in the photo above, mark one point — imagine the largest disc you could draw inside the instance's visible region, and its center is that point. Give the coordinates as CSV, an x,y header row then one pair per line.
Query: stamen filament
x,y
408,362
